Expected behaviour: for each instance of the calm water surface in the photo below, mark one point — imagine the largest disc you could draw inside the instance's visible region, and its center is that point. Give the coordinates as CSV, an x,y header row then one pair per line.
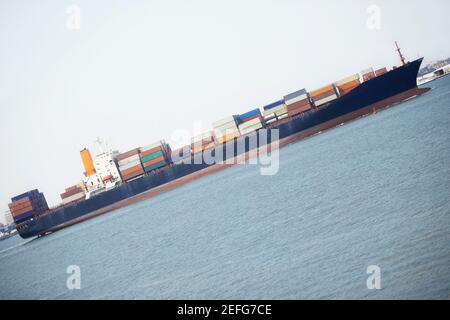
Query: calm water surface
x,y
373,192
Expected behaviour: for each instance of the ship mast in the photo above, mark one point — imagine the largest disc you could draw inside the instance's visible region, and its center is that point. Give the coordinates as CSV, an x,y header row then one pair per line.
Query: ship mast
x,y
400,53
103,145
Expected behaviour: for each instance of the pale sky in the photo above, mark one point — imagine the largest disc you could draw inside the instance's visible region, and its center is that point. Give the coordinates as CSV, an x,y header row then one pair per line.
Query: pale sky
x,y
136,71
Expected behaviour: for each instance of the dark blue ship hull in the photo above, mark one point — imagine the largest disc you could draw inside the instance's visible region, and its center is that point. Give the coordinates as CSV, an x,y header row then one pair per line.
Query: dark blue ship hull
x,y
380,91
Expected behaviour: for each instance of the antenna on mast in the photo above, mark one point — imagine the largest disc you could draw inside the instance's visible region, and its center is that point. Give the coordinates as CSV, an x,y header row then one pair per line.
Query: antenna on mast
x,y
400,53
103,145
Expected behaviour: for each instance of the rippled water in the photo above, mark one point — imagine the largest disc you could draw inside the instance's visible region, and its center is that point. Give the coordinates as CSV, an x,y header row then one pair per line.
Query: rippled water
x,y
373,192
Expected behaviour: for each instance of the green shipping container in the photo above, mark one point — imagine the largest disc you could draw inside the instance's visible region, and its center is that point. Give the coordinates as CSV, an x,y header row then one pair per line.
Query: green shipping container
x,y
151,156
155,166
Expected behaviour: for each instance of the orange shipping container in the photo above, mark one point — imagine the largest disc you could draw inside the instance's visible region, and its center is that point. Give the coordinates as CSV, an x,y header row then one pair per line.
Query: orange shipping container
x,y
346,91
23,210
23,200
132,175
324,95
320,91
17,209
131,170
349,85
153,161
17,206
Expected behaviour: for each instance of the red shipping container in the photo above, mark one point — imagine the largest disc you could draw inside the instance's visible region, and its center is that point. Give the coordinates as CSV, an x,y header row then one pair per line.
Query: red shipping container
x,y
368,76
127,154
131,170
132,175
298,107
380,72
71,193
343,92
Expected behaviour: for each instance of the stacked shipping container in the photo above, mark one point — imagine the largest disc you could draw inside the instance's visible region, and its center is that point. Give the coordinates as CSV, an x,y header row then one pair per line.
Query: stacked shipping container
x,y
27,205
73,193
202,142
380,72
129,164
275,111
348,84
137,162
367,74
155,156
250,121
324,95
226,129
297,102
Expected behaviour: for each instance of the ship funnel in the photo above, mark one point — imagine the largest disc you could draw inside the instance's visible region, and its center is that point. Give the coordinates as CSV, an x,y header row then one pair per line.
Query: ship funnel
x,y
87,162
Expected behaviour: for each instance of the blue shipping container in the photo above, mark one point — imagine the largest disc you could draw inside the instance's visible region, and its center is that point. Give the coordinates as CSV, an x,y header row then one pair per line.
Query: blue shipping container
x,y
273,105
31,194
249,114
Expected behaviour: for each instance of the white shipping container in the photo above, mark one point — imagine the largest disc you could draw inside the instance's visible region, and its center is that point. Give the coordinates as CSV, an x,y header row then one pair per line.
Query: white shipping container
x,y
268,114
251,129
297,99
135,178
128,160
207,136
250,123
347,80
278,110
367,71
130,165
221,133
281,112
295,95
230,125
270,117
283,116
151,146
226,121
325,100
74,197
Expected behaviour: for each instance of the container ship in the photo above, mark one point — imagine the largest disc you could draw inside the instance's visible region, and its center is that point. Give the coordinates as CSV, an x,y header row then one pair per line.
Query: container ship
x,y
113,180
